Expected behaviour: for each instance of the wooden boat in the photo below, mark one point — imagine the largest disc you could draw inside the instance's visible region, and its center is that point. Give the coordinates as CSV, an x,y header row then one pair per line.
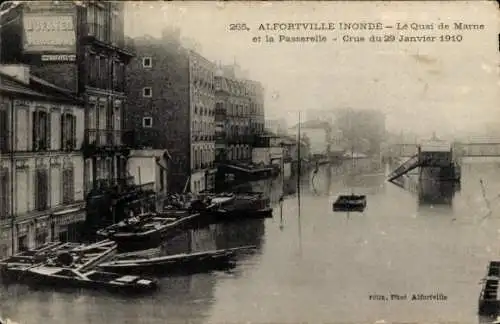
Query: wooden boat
x,y
76,256
14,266
60,276
147,232
350,203
185,262
241,206
126,224
234,213
489,303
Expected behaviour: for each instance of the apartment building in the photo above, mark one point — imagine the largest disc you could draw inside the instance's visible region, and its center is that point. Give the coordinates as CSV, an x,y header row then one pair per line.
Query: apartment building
x,y
79,46
41,166
172,107
240,115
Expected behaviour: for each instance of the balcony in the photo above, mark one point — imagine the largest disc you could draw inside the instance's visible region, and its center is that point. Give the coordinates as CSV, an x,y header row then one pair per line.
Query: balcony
x,y
102,36
103,140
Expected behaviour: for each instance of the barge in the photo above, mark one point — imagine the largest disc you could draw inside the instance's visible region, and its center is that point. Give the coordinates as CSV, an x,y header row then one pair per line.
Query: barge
x,y
489,303
178,263
351,202
146,231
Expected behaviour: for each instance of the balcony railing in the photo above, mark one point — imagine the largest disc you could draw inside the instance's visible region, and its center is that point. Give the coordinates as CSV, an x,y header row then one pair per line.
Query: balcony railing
x,y
103,137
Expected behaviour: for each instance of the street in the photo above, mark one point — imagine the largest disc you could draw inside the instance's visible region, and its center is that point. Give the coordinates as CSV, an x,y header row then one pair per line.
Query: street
x,y
319,267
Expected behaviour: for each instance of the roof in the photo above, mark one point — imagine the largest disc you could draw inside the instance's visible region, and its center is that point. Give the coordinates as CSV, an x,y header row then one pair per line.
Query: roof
x,y
38,88
435,146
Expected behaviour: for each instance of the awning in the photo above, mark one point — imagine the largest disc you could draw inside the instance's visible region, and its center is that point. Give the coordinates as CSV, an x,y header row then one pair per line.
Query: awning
x,y
69,216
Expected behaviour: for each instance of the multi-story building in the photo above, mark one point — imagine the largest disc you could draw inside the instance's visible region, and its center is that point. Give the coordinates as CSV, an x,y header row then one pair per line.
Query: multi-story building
x,y
41,166
239,115
79,46
172,106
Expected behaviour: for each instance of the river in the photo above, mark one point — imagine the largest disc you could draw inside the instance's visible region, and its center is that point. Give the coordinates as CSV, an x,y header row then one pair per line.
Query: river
x,y
319,267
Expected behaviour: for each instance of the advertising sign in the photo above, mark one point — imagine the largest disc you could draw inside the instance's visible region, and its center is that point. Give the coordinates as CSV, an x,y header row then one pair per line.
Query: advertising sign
x,y
49,33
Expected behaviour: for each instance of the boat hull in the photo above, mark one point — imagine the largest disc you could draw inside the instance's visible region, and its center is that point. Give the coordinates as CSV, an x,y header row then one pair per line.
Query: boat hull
x,y
39,280
349,207
350,203
174,267
173,264
236,214
130,241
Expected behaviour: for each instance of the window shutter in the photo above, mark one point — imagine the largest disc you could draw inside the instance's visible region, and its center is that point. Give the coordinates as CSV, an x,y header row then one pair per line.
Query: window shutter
x,y
48,130
34,128
73,131
63,139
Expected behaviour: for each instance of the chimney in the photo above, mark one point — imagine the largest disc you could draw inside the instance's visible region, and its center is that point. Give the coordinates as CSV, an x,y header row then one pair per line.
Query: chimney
x,y
20,72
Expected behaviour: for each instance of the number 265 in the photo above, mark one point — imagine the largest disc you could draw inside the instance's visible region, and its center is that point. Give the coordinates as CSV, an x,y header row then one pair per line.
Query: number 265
x,y
238,27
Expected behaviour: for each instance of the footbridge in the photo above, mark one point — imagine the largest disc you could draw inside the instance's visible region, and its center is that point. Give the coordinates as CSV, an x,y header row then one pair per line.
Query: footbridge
x,y
484,148
435,159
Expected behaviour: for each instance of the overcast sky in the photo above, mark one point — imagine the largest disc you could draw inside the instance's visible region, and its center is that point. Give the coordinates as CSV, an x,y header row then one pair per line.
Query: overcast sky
x,y
424,87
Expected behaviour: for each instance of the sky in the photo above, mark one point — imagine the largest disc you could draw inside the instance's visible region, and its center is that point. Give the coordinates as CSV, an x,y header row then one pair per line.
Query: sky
x,y
447,88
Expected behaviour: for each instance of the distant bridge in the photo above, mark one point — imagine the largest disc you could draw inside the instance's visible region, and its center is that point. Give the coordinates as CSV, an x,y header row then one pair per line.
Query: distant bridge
x,y
484,149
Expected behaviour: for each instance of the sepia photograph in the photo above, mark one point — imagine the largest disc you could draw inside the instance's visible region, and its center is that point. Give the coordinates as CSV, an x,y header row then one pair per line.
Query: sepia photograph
x,y
249,162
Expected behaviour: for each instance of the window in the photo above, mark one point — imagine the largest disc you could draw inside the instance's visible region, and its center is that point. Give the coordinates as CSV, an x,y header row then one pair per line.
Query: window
x,y
147,122
68,132
41,190
147,92
147,62
4,131
4,194
41,131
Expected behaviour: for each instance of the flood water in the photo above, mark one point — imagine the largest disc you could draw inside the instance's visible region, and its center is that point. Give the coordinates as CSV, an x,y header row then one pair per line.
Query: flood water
x,y
319,267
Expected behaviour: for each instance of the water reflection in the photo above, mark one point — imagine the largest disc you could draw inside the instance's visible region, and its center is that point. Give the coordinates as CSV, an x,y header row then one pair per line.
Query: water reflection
x,y
436,192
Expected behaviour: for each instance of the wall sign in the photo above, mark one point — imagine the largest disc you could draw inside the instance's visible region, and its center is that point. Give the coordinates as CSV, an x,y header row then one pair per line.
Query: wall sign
x,y
49,32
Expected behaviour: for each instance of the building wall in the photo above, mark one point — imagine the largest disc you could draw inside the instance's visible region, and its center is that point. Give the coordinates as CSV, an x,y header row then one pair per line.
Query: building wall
x,y
202,114
169,105
242,116
146,170
143,169
182,105
21,162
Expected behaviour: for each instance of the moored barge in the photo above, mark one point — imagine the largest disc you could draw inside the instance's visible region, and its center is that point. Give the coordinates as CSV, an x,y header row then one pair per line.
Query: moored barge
x,y
147,231
184,262
489,303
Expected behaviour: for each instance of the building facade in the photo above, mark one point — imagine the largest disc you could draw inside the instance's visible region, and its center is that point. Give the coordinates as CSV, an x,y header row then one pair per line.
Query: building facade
x,y
79,46
41,165
239,115
172,106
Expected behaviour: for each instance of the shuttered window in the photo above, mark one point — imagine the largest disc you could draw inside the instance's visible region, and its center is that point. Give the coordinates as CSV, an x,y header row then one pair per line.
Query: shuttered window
x,y
41,189
41,131
4,194
68,186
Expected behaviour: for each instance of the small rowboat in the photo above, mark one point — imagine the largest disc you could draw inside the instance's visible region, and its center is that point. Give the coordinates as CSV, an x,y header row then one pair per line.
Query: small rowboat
x,y
58,276
350,203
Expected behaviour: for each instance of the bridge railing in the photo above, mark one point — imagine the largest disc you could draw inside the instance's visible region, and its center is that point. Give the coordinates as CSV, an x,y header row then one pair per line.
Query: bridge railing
x,y
459,149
